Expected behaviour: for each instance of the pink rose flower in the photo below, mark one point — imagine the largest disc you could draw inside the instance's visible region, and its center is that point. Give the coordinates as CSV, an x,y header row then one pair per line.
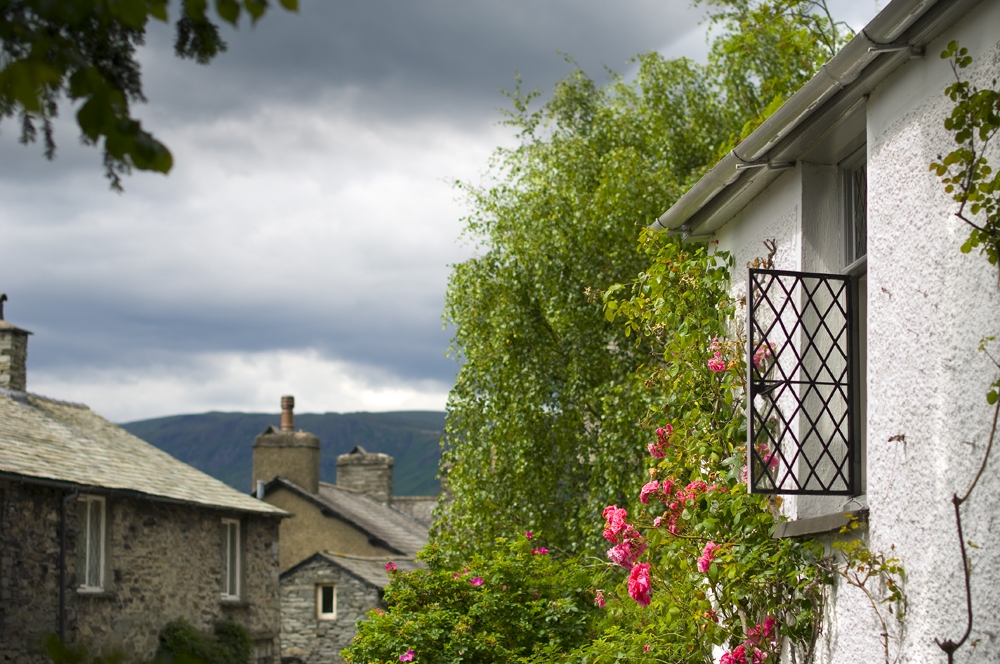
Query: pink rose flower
x,y
638,584
407,656
656,450
716,363
763,356
476,580
614,522
768,627
648,489
599,599
390,566
528,534
657,522
645,648
770,458
737,656
627,552
706,557
540,551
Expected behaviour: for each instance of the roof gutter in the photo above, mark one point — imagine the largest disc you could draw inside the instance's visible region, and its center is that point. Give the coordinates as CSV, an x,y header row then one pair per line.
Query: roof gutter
x,y
879,36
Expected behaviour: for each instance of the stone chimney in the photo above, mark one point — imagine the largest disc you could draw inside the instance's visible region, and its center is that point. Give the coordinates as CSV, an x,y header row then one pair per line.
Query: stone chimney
x,y
13,354
291,454
364,471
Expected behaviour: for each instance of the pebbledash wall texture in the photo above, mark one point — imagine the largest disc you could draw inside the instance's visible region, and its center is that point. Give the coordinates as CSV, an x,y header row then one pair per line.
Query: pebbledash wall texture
x,y
925,307
162,562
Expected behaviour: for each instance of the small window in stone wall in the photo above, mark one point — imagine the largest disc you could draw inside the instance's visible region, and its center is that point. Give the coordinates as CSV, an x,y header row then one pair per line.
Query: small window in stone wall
x,y
90,543
326,601
231,559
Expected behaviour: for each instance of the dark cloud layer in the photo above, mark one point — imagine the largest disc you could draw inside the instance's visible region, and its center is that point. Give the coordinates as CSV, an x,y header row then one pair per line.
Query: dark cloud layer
x,y
403,59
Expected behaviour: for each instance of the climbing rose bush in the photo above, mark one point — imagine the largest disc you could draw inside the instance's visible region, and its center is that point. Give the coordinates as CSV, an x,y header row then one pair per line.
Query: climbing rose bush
x,y
701,570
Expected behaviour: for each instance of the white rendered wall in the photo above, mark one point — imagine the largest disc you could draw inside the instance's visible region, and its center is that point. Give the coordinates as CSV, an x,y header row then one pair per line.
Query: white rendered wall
x,y
929,305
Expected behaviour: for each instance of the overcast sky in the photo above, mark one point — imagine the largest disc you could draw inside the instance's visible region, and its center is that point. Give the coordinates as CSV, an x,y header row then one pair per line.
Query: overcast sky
x,y
301,244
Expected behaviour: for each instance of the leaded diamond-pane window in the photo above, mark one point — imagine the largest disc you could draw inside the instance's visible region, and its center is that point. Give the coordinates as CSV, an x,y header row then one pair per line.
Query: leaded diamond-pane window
x,y
803,364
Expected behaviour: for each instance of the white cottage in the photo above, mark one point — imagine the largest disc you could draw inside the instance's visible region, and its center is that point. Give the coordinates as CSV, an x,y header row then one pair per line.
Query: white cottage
x,y
875,401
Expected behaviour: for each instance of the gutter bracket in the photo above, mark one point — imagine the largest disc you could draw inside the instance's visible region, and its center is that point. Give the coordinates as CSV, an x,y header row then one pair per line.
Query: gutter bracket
x,y
916,50
770,165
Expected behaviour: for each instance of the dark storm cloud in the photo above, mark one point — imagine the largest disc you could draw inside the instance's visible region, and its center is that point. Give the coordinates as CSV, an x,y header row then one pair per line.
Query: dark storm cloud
x,y
400,59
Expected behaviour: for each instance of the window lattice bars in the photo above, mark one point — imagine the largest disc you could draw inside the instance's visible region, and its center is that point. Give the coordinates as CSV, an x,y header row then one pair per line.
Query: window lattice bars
x,y
802,346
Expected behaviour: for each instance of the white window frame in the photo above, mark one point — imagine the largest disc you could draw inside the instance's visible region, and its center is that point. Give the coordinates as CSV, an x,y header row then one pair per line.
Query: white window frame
x,y
87,533
320,615
231,534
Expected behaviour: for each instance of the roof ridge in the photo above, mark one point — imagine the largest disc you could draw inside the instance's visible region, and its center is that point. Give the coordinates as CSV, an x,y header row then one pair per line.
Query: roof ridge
x,y
22,396
368,558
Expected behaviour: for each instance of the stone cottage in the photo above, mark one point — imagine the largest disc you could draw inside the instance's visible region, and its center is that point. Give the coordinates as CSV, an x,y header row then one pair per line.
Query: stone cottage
x,y
864,318
335,548
105,538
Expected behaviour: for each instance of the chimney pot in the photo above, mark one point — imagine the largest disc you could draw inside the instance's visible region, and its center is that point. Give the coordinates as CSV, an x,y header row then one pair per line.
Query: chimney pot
x,y
287,416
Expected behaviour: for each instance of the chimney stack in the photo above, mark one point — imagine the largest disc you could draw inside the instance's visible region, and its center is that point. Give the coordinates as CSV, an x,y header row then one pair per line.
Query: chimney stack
x,y
287,416
13,354
291,454
370,472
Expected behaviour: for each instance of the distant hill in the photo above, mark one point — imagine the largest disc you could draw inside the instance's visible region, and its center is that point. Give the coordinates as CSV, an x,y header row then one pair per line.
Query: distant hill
x,y
221,444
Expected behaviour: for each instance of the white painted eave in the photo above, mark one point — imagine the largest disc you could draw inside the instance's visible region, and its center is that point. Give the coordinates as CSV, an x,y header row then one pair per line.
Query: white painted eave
x,y
897,33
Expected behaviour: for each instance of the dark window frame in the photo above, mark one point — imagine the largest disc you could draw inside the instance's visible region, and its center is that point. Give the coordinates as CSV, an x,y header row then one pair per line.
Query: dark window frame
x,y
780,458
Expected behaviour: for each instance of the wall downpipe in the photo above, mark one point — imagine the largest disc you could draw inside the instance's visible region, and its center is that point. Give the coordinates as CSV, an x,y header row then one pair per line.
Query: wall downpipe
x,y
62,563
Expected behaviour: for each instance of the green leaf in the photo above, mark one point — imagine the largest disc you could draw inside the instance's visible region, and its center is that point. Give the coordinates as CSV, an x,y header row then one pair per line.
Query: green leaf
x,y
229,10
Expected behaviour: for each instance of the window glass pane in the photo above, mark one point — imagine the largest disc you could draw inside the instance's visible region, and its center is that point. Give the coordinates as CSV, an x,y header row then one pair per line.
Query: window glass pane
x,y
860,211
233,563
82,513
327,604
94,543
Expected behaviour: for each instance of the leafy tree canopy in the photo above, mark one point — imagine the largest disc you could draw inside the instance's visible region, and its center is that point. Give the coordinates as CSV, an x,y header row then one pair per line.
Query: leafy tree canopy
x,y
543,425
84,50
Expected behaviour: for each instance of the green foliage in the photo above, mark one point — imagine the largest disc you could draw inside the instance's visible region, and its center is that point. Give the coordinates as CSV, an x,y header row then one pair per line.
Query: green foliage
x,y
60,653
180,642
85,50
770,49
502,607
542,423
966,172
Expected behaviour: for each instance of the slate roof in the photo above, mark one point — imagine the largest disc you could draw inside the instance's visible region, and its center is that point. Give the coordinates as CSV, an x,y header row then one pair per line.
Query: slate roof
x,y
48,440
392,528
371,570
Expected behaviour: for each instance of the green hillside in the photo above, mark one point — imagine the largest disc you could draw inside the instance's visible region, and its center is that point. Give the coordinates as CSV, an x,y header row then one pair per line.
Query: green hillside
x,y
221,444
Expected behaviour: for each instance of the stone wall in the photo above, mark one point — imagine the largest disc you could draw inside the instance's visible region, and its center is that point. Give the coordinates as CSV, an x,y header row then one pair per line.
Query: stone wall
x,y
306,637
163,562
29,571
